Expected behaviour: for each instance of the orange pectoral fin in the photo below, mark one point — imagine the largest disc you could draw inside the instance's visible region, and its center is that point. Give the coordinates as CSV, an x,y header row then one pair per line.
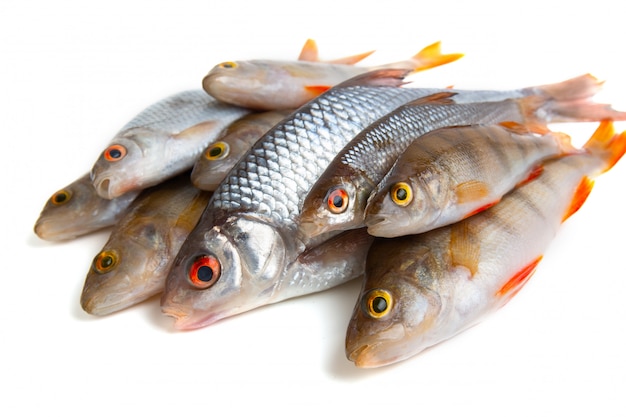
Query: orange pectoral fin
x,y
317,89
464,250
580,196
470,191
518,280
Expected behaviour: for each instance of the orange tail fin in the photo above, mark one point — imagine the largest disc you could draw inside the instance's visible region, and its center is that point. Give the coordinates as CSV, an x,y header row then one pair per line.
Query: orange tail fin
x,y
607,144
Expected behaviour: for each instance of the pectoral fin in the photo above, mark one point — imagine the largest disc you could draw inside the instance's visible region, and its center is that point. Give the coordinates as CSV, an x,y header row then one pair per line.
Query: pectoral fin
x,y
196,131
464,251
471,191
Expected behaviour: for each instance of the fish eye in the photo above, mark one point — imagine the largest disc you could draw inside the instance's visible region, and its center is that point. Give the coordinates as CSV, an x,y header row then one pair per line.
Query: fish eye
x,y
105,261
114,153
205,271
377,303
401,193
337,200
60,197
216,151
228,65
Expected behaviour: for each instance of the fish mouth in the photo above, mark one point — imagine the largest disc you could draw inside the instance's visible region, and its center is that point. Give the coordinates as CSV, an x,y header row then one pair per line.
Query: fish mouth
x,y
376,350
184,320
376,223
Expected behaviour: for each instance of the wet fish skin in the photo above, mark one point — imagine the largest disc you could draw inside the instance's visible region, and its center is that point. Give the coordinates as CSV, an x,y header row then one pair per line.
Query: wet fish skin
x,y
133,263
451,173
277,85
363,162
422,289
234,141
250,226
76,210
162,141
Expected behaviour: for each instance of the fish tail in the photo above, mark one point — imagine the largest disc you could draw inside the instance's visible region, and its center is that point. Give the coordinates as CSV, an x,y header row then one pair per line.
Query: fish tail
x,y
431,56
607,144
568,101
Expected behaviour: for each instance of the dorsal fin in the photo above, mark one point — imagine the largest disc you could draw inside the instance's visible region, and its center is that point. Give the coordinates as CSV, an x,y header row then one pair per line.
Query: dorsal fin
x,y
380,77
443,98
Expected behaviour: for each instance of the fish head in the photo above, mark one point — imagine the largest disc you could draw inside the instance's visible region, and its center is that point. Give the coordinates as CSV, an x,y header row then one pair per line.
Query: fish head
x,y
245,83
396,204
215,163
68,211
336,202
130,268
398,308
129,163
223,271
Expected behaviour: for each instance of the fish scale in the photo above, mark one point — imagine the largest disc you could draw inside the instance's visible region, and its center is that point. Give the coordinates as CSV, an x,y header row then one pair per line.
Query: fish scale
x,y
385,140
176,112
275,175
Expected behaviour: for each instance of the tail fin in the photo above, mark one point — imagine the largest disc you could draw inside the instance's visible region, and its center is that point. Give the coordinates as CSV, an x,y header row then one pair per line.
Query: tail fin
x,y
607,144
567,101
428,57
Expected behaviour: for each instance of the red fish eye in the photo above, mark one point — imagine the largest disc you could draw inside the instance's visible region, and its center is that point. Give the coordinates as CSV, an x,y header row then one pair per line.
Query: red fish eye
x,y
114,153
337,200
205,271
105,261
60,197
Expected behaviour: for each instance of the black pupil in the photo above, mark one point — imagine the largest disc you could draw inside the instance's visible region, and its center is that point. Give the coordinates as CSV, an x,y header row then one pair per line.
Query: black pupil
x,y
205,274
106,261
115,153
215,152
379,304
59,198
337,201
401,194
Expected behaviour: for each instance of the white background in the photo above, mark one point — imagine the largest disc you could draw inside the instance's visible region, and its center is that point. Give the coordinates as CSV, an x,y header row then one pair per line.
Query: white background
x,y
73,72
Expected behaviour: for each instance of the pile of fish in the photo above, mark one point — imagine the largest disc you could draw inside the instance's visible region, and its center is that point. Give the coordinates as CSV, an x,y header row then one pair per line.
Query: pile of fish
x,y
285,178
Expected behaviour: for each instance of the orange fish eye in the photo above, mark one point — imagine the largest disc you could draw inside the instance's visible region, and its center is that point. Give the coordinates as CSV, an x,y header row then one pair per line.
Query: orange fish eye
x,y
205,271
377,303
337,200
216,151
60,197
114,153
105,261
401,193
228,65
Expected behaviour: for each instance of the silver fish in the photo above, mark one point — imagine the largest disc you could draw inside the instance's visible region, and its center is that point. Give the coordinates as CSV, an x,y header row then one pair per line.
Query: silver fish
x,y
337,200
77,210
422,289
160,142
133,264
245,249
234,141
